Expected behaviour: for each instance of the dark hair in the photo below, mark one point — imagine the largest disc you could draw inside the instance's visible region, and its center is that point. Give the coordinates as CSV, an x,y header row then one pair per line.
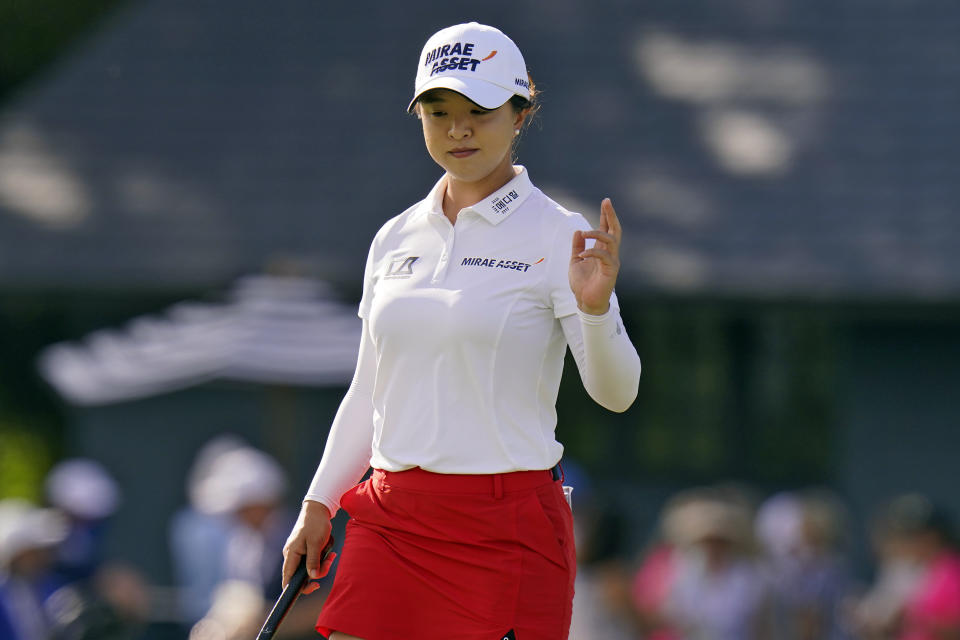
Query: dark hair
x,y
531,106
519,103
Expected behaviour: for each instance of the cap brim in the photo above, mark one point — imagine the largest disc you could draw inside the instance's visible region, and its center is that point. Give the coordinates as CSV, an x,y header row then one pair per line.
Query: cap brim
x,y
485,94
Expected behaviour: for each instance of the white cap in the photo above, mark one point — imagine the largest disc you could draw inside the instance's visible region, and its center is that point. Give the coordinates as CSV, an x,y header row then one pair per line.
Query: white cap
x,y
779,524
203,463
473,59
83,488
238,478
25,526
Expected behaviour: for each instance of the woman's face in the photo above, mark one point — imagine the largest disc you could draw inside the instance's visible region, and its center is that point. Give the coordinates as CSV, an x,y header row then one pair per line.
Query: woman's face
x,y
470,142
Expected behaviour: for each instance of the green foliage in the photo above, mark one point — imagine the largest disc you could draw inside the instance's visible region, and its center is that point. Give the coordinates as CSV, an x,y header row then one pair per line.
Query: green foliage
x,y
682,403
30,422
25,458
34,32
742,392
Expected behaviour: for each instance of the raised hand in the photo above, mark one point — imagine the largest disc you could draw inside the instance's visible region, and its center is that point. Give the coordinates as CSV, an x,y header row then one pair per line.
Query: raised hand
x,y
593,272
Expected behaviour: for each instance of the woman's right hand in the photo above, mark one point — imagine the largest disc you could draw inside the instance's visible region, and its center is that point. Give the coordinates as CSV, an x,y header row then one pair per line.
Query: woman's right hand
x,y
308,538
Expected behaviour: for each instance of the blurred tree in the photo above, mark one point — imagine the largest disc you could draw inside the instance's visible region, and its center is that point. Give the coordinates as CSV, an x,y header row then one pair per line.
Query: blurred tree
x,y
33,420
25,458
30,424
33,33
742,392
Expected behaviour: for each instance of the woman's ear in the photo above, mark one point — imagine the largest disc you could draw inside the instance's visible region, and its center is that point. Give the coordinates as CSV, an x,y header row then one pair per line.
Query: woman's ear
x,y
520,118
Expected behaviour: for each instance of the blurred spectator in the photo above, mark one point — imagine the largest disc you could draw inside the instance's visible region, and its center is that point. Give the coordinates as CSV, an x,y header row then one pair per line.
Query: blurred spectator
x,y
87,495
196,535
28,539
601,607
716,587
652,585
109,597
227,547
52,583
917,593
876,614
802,535
601,604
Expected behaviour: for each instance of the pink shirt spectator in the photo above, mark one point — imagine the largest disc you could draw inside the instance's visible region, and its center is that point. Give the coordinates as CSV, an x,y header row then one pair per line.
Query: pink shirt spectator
x,y
651,590
935,604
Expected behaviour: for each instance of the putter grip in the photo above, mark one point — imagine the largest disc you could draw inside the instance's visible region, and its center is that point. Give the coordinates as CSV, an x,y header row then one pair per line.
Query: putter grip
x,y
280,609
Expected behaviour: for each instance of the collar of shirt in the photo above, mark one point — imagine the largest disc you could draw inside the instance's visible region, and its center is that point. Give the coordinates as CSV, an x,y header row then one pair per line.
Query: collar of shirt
x,y
495,208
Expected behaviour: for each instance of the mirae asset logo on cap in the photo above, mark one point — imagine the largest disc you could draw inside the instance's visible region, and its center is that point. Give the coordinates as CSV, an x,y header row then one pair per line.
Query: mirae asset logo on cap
x,y
455,56
459,57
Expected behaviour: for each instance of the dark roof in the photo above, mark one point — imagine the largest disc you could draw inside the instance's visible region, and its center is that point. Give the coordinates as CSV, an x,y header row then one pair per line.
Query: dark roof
x,y
798,147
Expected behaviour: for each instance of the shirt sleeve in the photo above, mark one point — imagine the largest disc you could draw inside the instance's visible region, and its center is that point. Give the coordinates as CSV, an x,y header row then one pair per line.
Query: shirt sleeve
x,y
368,282
608,362
346,456
558,280
558,277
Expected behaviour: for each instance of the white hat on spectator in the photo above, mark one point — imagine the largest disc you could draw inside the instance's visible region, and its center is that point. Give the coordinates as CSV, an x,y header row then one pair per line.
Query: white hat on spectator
x,y
779,524
239,478
692,521
25,526
83,488
203,461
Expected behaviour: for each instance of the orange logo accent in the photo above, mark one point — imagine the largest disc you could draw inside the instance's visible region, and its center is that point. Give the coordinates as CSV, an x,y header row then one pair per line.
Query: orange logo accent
x,y
492,53
539,261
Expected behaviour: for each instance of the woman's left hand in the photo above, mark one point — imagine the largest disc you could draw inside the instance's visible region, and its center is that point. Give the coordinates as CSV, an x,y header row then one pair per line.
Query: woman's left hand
x,y
593,272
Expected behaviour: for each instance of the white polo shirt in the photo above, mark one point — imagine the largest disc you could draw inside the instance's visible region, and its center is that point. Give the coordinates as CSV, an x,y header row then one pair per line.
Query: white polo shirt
x,y
464,321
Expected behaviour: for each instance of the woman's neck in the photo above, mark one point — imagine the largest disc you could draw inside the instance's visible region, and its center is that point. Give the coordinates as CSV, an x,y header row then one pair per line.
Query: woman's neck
x,y
460,194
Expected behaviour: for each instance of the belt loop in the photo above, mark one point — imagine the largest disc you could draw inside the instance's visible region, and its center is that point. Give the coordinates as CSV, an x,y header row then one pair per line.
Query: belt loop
x,y
497,486
556,472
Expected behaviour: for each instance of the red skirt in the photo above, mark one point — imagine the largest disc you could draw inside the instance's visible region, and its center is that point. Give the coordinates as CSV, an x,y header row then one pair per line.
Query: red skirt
x,y
454,557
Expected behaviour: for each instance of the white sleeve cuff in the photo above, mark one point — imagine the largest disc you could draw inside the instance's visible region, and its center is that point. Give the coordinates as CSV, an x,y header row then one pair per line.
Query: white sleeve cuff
x,y
588,318
332,505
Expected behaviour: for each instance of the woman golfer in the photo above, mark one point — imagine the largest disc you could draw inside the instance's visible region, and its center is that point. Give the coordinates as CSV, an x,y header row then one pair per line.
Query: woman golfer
x,y
470,298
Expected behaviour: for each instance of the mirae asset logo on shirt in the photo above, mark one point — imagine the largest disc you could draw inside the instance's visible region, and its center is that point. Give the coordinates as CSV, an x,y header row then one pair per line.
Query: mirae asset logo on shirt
x,y
497,263
402,267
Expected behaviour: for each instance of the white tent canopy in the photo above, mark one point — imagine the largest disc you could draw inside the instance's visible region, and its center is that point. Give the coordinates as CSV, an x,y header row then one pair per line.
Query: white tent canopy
x,y
272,330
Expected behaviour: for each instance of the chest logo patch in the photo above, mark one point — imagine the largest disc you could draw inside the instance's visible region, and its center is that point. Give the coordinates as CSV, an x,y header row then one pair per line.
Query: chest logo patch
x,y
401,267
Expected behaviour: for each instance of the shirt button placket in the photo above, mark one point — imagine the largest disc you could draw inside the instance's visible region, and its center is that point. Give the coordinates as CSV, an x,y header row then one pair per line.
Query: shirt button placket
x,y
442,265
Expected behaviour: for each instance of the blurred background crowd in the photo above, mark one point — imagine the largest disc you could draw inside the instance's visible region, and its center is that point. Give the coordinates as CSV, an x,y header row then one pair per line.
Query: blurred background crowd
x,y
187,195
57,580
722,563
